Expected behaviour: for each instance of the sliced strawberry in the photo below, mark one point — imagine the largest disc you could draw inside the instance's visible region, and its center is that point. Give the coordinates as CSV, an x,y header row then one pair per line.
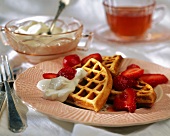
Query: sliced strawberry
x,y
126,101
132,66
67,72
96,56
133,73
71,60
49,75
154,79
120,83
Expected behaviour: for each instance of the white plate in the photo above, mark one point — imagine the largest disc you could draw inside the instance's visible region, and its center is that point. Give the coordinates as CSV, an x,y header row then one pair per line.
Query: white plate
x,y
26,89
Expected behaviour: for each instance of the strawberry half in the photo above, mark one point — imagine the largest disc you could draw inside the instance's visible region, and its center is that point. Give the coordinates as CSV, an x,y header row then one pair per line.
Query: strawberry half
x,y
67,72
50,75
132,66
120,83
133,73
96,56
126,101
154,79
71,60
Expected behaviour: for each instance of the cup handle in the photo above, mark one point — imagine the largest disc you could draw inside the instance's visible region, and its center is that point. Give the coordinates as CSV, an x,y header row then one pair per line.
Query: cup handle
x,y
159,13
85,41
3,37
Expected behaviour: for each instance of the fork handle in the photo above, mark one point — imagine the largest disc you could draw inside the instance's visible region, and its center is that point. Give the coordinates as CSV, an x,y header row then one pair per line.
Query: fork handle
x,y
2,101
15,122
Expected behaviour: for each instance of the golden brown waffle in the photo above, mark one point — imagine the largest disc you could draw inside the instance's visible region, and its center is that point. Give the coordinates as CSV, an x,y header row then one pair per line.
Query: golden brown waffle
x,y
93,90
77,66
112,63
146,95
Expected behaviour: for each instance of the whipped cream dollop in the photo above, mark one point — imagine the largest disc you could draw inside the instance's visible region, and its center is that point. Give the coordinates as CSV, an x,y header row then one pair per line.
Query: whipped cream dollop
x,y
37,28
59,88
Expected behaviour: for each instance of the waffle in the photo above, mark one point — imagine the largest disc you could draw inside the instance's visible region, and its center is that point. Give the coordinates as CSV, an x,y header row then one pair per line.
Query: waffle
x,y
146,95
112,63
93,90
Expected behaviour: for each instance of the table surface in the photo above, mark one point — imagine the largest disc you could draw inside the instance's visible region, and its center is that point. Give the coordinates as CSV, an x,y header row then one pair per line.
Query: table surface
x,y
91,13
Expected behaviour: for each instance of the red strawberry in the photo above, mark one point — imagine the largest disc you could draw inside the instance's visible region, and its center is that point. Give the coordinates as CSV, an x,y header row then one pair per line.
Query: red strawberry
x,y
132,66
71,60
67,72
96,56
154,79
125,101
49,75
120,83
133,73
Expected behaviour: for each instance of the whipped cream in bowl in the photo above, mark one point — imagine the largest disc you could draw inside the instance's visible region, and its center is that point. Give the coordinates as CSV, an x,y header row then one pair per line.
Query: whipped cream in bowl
x,y
60,87
29,38
37,28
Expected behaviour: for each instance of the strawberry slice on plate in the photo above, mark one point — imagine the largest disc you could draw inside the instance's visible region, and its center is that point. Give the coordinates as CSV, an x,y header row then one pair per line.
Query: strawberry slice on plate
x,y
120,83
71,60
133,66
133,72
126,101
50,75
96,56
154,79
67,72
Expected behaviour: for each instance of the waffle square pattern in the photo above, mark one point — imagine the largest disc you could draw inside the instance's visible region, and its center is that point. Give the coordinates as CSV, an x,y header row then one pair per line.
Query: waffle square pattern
x,y
93,90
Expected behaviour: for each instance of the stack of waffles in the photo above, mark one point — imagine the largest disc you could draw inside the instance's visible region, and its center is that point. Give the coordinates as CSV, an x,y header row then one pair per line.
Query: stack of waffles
x,y
94,90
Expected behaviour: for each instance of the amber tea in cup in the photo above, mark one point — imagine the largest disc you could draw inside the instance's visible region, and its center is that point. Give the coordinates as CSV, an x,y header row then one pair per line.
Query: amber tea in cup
x,y
129,18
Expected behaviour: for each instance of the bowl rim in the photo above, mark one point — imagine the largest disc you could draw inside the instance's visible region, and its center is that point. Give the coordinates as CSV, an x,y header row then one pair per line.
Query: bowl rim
x,y
49,17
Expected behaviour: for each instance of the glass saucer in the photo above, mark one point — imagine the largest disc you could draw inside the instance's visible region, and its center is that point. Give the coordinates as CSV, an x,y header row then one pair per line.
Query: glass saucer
x,y
156,33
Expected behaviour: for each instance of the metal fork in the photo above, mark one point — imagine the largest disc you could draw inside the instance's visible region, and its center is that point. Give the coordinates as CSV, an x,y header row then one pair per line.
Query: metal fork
x,y
2,95
14,119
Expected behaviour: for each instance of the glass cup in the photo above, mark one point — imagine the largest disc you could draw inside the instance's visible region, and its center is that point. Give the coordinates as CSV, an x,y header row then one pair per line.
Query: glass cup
x,y
130,19
37,48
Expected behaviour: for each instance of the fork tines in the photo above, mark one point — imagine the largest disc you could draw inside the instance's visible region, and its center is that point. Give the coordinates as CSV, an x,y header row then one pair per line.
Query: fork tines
x,y
5,62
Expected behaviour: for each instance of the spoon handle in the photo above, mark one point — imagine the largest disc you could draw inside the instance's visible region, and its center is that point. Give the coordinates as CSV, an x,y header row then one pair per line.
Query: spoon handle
x,y
61,7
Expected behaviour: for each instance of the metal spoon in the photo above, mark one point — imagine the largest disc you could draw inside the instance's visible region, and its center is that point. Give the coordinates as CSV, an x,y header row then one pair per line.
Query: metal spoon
x,y
62,5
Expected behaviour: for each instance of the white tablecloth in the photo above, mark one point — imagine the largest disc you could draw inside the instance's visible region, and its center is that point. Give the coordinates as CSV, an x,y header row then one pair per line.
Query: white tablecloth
x,y
91,13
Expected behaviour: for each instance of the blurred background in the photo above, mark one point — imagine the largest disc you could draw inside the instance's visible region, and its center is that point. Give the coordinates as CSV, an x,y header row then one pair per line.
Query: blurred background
x,y
10,9
92,11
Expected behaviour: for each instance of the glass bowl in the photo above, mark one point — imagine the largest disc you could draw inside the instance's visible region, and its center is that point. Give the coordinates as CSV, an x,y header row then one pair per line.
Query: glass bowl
x,y
37,48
